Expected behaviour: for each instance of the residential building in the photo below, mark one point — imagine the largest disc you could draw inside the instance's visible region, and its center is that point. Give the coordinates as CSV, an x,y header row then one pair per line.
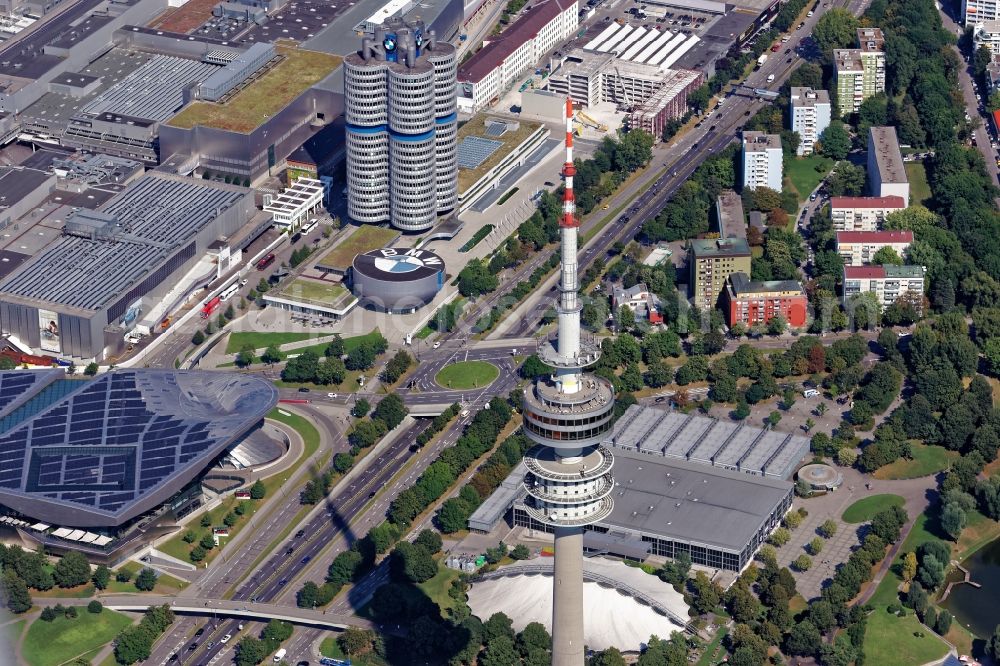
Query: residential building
x,y
729,215
886,175
711,262
975,12
484,77
863,213
987,34
889,282
401,126
860,72
643,303
762,160
810,116
859,247
751,302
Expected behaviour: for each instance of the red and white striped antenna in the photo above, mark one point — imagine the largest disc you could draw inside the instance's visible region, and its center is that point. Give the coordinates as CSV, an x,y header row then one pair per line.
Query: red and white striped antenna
x,y
569,202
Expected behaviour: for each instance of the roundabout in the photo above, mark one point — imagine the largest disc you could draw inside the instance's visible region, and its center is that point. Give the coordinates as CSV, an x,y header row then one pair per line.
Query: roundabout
x,y
466,375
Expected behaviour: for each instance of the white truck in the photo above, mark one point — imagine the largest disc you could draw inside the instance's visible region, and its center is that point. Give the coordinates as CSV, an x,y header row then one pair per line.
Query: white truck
x,y
761,60
279,655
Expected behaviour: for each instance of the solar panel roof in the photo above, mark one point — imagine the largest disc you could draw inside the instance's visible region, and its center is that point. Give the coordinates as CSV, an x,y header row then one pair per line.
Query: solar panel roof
x,y
108,449
474,150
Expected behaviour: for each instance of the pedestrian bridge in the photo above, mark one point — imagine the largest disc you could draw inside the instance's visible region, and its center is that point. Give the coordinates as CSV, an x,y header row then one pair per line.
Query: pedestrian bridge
x,y
224,608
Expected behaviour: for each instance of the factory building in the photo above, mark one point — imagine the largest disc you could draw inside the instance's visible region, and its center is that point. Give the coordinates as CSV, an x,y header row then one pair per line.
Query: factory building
x,y
810,116
85,290
886,172
401,127
484,77
684,484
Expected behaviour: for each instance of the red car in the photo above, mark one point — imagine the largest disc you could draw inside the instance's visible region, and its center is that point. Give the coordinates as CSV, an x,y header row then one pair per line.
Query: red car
x,y
776,48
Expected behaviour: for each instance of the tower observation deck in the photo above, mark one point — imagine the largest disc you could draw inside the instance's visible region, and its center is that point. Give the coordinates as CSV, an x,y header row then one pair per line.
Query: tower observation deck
x,y
567,415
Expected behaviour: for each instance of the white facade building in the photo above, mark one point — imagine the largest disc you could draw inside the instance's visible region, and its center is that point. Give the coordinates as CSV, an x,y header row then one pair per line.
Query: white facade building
x,y
886,175
762,160
987,34
810,116
858,248
863,213
292,207
888,282
975,12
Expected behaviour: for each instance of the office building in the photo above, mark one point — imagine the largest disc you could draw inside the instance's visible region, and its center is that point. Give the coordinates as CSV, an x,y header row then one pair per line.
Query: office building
x,y
975,12
644,304
859,247
399,98
886,173
762,161
889,282
752,302
863,213
87,459
860,72
711,262
810,116
686,484
485,77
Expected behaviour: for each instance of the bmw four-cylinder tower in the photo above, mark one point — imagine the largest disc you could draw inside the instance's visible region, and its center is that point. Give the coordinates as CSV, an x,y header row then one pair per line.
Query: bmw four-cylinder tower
x,y
569,479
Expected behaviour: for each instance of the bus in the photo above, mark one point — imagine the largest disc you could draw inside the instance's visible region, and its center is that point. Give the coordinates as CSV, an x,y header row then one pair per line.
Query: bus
x,y
308,226
209,307
229,292
265,262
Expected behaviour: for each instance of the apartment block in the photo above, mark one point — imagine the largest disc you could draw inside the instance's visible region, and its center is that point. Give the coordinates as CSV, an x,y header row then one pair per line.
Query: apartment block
x,y
755,302
863,213
711,262
762,160
888,282
886,175
810,116
729,215
859,247
987,34
975,12
860,72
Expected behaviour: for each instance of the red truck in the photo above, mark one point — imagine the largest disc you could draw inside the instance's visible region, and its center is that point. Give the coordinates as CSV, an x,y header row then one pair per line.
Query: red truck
x,y
209,307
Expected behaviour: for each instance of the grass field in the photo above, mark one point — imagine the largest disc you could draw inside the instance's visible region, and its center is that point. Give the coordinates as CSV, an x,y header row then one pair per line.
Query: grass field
x,y
863,510
802,173
330,294
715,652
365,238
437,587
263,98
467,375
240,339
926,460
889,639
920,190
165,583
979,532
330,648
56,642
349,343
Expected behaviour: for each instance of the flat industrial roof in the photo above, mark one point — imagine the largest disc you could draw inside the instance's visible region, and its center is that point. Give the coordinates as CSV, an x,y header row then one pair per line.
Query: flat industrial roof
x,y
157,213
691,501
18,182
887,156
732,221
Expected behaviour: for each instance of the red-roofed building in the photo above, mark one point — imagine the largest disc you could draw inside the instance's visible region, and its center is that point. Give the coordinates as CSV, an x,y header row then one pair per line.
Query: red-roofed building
x,y
996,120
888,282
862,213
484,77
859,247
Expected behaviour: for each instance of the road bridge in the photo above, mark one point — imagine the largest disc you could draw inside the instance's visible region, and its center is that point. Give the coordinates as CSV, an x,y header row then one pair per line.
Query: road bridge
x,y
223,608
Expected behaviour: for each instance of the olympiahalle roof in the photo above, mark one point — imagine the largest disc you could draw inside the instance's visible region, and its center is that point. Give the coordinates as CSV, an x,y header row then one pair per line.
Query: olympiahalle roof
x,y
99,452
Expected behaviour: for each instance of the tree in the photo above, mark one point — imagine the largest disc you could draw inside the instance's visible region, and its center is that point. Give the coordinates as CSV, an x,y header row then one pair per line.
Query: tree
x,y
520,552
258,490
412,563
91,369
779,537
146,580
250,651
993,645
71,570
610,657
953,520
500,652
272,355
943,624
15,592
802,563
774,418
197,338
835,140
835,29
846,180
533,636
909,570
777,325
361,408
707,593
887,255
95,607
931,572
476,279
101,577
803,639
356,641
246,356
429,540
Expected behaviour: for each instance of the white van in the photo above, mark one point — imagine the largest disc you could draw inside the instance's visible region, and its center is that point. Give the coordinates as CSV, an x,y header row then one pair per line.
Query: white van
x,y
279,655
810,393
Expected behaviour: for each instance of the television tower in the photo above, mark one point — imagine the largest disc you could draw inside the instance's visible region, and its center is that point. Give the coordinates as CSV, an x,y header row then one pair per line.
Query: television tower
x,y
567,415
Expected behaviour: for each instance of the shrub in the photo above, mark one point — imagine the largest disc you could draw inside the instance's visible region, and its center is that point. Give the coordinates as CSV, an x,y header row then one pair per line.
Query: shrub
x,y
95,607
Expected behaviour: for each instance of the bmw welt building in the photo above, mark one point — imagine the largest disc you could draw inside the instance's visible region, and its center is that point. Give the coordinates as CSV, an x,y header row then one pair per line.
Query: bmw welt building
x,y
397,280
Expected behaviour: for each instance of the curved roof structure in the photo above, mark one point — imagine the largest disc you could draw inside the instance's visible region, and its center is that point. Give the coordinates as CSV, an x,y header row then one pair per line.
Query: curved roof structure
x,y
400,265
99,452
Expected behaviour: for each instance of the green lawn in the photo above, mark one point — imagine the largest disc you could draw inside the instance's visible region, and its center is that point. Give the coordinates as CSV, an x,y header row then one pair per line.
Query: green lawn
x,y
178,548
437,587
56,642
863,510
349,344
920,190
165,583
802,173
467,375
365,238
714,651
240,339
926,460
330,648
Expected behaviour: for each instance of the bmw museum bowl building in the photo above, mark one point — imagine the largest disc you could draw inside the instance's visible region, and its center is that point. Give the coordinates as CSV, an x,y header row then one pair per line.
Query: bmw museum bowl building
x,y
397,280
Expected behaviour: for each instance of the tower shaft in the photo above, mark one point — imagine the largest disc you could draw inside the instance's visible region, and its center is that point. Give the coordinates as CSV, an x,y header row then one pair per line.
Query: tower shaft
x,y
567,598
